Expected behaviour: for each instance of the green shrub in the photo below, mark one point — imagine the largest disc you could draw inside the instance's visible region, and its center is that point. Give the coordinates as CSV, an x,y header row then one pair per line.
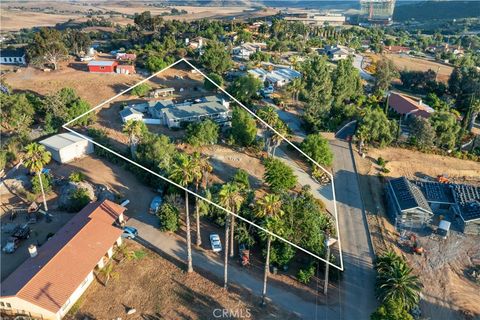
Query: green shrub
x,y
169,217
47,186
381,162
305,275
76,176
78,200
141,90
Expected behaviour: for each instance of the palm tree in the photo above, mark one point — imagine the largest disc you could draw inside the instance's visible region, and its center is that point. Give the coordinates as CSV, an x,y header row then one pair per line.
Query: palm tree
x,y
270,208
276,139
135,130
183,173
231,197
397,283
295,87
108,272
36,157
198,176
270,116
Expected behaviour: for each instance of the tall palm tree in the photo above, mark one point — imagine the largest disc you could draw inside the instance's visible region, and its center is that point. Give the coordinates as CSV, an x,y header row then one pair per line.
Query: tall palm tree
x,y
295,87
270,116
36,157
183,173
399,284
135,130
270,208
276,140
198,176
231,197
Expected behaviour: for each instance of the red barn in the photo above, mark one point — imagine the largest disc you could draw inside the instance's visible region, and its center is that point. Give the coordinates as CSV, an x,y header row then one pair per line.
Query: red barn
x,y
102,66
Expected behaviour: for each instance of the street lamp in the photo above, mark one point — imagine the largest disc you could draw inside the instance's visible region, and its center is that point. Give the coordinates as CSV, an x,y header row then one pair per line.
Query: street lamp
x,y
328,242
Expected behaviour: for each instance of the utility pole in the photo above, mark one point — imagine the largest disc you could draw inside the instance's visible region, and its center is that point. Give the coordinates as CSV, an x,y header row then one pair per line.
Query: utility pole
x,y
328,242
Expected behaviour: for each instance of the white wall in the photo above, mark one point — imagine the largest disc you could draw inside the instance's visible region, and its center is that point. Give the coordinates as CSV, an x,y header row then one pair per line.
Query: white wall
x,y
76,294
74,151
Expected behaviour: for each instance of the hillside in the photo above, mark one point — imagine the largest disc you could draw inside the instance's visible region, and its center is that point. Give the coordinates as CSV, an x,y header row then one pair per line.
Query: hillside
x,y
435,10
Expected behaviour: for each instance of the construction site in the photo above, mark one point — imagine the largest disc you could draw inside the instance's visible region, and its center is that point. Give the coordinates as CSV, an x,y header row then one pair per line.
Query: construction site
x,y
377,12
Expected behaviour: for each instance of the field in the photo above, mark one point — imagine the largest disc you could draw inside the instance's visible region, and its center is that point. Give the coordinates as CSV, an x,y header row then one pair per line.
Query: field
x,y
158,289
405,62
28,14
447,294
93,87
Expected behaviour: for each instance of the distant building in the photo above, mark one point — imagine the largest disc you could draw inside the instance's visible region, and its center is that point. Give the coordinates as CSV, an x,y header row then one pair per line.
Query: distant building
x,y
125,69
102,66
66,147
406,105
315,19
337,52
131,114
397,49
278,77
47,285
162,92
13,56
122,56
244,51
406,205
377,12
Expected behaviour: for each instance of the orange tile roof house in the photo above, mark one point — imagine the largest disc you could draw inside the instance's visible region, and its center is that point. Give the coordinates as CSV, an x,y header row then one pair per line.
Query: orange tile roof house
x,y
47,285
408,105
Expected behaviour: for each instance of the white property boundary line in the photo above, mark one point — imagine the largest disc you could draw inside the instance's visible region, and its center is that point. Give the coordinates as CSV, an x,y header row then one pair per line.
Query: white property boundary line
x,y
341,267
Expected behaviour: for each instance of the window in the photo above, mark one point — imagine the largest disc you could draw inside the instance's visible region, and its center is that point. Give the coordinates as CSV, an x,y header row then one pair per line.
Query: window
x,y
2,304
8,305
101,68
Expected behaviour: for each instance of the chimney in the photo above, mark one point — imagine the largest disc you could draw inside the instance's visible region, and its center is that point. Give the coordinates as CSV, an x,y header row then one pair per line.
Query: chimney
x,y
32,249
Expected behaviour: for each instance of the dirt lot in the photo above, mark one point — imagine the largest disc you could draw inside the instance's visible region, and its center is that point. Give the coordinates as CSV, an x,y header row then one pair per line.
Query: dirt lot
x,y
415,164
26,15
93,87
158,289
403,62
447,294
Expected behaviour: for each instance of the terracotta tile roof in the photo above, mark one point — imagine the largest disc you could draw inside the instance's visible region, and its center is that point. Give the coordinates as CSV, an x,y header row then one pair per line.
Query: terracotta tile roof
x,y
62,264
403,104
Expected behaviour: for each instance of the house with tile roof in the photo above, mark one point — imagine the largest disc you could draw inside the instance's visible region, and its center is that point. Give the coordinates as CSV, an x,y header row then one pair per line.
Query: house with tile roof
x,y
49,283
407,106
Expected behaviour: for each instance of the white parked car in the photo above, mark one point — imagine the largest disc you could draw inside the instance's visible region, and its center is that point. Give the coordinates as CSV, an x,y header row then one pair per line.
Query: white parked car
x,y
215,242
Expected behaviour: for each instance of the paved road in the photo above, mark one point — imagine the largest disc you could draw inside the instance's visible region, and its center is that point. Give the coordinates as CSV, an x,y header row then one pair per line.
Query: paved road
x,y
357,63
357,287
174,247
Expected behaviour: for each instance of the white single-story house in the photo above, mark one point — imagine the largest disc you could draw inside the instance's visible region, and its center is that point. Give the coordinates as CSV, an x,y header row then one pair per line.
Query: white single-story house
x,y
66,147
245,50
277,77
211,107
13,56
131,114
337,52
173,114
49,283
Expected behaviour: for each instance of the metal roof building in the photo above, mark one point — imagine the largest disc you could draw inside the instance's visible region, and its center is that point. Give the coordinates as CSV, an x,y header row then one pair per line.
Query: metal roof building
x,y
66,147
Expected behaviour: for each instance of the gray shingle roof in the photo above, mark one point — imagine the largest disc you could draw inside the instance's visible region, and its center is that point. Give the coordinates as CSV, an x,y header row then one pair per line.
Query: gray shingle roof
x,y
408,195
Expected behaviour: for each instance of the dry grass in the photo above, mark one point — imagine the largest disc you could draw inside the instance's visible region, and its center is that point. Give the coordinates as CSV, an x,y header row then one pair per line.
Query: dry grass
x,y
447,294
158,289
415,164
403,62
93,87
